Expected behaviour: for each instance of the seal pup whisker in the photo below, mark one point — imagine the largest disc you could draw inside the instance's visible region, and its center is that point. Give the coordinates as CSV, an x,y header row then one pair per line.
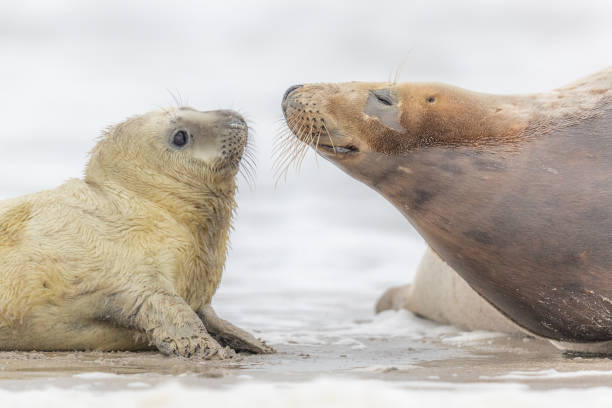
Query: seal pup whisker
x,y
177,98
248,164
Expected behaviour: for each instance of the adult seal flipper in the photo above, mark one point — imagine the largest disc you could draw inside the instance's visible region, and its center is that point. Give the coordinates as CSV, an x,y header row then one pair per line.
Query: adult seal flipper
x,y
513,192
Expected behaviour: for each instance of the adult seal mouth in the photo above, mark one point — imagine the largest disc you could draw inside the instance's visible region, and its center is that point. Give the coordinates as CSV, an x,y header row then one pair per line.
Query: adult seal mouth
x,y
513,192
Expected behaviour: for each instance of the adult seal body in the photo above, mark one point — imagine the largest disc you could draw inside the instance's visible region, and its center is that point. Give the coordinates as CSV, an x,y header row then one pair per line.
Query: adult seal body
x,y
512,192
129,257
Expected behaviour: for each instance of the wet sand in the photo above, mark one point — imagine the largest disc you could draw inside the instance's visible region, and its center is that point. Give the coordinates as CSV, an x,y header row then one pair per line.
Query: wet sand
x,y
432,364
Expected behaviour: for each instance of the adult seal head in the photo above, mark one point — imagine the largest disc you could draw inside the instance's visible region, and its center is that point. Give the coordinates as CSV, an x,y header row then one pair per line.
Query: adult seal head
x,y
129,257
513,192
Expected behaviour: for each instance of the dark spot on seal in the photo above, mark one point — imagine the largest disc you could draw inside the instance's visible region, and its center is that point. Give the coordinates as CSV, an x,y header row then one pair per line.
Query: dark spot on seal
x,y
421,197
479,236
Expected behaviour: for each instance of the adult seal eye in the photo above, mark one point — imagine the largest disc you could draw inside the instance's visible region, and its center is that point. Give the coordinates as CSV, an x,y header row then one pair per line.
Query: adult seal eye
x,y
384,100
180,138
383,97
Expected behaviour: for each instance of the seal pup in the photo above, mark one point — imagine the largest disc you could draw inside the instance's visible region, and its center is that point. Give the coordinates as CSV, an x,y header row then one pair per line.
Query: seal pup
x,y
130,256
511,191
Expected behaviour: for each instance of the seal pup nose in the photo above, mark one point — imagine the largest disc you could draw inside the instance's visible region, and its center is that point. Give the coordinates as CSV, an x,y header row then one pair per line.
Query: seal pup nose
x,y
237,122
233,119
291,89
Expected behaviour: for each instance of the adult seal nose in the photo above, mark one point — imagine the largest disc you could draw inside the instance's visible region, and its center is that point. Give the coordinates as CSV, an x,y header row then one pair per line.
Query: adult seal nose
x,y
291,89
286,95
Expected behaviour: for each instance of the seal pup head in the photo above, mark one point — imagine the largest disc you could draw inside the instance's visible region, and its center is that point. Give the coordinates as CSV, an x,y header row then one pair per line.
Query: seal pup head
x,y
176,150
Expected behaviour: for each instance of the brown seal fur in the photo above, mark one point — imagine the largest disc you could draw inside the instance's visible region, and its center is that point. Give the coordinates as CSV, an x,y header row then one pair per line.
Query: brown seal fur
x,y
130,256
513,192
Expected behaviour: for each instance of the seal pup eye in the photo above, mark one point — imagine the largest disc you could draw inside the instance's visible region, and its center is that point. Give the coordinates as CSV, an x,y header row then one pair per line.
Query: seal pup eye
x,y
383,97
431,99
180,138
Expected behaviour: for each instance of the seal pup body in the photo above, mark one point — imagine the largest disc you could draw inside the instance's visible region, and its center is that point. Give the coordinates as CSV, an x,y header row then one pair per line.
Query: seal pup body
x,y
511,191
130,256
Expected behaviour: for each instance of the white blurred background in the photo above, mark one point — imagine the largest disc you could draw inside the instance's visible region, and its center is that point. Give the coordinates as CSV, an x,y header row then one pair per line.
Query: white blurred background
x,y
320,247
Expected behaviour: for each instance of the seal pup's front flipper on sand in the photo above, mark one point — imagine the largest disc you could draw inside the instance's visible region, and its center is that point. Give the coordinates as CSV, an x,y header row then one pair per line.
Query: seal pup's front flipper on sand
x,y
229,335
167,322
511,191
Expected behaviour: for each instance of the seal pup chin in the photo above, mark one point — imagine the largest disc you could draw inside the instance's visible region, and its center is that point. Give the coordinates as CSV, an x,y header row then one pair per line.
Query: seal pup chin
x,y
509,190
129,257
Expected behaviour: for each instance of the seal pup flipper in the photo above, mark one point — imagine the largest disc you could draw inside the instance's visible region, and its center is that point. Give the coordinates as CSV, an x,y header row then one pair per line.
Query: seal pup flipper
x,y
438,293
229,335
169,323
394,298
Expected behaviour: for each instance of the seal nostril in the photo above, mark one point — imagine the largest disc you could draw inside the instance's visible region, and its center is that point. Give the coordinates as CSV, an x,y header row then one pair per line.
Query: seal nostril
x,y
291,89
237,122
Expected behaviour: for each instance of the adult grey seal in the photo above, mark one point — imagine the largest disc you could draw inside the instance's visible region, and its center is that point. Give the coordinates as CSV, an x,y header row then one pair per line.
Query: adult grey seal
x,y
511,191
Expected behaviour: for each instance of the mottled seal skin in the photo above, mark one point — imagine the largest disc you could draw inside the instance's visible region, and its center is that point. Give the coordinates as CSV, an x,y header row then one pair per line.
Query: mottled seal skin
x,y
129,257
513,192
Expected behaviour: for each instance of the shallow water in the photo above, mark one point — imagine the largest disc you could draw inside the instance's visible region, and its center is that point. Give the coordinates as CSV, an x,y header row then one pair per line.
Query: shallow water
x,y
310,257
